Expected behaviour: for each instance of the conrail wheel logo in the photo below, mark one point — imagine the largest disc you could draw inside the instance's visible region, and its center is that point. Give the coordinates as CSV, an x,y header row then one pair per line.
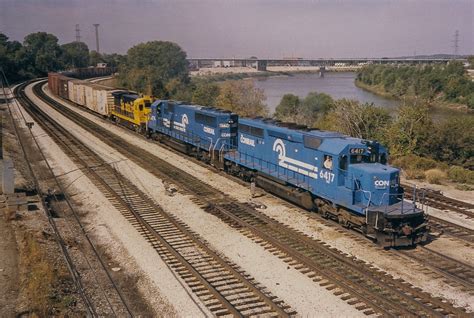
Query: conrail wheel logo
x,y
293,164
182,125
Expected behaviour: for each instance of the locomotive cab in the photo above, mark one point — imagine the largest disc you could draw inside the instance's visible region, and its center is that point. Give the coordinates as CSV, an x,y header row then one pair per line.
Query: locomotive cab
x,y
376,192
131,110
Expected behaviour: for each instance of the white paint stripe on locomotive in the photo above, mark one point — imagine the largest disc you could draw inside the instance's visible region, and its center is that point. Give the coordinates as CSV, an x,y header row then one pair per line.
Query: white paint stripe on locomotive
x,y
300,164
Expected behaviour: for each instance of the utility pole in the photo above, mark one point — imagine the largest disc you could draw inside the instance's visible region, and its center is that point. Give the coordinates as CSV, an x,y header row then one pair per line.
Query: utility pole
x,y
456,42
78,33
97,37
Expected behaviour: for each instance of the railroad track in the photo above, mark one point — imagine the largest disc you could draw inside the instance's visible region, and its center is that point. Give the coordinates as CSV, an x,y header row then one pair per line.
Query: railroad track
x,y
368,289
451,229
437,200
221,285
102,300
455,273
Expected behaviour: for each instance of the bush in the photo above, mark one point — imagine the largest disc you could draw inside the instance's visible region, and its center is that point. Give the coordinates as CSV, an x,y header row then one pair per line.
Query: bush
x,y
435,176
413,162
414,174
459,174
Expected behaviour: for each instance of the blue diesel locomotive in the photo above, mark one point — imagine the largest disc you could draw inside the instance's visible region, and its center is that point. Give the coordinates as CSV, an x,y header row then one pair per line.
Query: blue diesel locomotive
x,y
343,178
205,132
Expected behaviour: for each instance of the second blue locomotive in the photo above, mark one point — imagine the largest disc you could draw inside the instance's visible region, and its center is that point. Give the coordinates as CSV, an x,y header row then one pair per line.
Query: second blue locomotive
x,y
343,178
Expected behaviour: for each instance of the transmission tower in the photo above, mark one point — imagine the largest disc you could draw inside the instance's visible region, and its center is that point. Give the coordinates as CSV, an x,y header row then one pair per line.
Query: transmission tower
x,y
78,33
97,37
456,42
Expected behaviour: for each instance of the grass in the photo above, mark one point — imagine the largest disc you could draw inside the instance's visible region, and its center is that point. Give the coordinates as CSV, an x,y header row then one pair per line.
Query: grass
x,y
42,280
434,172
38,280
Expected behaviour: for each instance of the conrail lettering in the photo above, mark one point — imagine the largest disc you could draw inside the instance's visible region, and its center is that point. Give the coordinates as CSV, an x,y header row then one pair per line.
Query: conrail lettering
x,y
381,183
209,130
247,141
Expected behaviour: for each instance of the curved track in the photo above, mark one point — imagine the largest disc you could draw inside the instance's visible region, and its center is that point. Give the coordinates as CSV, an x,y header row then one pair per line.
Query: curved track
x,y
367,288
222,286
105,300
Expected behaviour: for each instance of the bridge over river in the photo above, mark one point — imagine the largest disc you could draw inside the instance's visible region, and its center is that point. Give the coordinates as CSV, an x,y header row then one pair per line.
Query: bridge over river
x,y
261,64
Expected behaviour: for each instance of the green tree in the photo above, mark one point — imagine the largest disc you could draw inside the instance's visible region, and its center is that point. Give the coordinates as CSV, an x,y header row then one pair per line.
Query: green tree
x,y
314,106
453,141
470,59
352,118
95,58
40,54
243,98
8,62
150,66
411,131
75,54
114,59
177,90
288,108
205,93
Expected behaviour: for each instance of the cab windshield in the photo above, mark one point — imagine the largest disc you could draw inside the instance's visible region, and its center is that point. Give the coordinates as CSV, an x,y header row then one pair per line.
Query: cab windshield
x,y
373,158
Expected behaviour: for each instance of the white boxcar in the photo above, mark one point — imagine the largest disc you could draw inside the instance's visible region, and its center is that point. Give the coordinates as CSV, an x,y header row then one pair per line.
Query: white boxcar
x,y
91,100
80,93
71,91
104,98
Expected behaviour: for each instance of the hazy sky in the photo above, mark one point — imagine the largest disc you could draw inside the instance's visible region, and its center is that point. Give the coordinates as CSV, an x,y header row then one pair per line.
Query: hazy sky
x,y
264,28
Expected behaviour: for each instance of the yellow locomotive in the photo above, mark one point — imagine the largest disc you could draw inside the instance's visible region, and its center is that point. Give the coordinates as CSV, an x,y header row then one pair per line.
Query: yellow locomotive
x,y
131,110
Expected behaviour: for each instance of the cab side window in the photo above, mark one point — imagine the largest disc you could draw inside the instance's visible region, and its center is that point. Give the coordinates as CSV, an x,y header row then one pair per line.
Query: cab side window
x,y
343,162
383,159
327,162
140,107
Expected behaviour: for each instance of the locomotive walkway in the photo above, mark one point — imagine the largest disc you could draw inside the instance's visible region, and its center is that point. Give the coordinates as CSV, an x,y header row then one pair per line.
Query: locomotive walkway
x,y
361,285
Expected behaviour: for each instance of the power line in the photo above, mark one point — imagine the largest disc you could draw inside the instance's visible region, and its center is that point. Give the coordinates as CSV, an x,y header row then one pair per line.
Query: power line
x,y
456,42
78,33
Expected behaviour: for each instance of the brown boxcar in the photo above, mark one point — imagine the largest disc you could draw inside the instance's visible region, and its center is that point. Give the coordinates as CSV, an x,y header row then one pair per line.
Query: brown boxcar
x,y
53,83
63,86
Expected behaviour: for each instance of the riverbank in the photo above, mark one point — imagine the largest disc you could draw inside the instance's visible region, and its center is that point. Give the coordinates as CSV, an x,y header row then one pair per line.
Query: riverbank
x,y
437,103
219,74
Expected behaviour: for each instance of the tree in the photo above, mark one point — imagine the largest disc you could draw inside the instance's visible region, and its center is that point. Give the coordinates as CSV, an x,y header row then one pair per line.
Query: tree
x,y
8,62
205,93
313,106
177,90
41,54
150,66
364,121
95,58
411,131
288,108
243,98
470,59
114,59
75,54
452,141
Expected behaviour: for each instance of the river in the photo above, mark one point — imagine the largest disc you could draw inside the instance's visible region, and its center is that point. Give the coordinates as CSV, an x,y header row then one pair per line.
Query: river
x,y
337,84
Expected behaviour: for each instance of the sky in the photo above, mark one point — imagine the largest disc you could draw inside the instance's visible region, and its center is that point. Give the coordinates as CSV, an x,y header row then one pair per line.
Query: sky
x,y
262,28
